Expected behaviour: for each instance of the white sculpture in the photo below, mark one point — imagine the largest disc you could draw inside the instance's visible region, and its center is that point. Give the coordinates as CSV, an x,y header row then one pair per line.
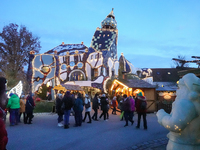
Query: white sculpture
x,y
17,89
184,120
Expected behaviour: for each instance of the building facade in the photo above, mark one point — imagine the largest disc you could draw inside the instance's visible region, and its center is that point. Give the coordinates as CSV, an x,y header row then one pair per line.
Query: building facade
x,y
78,64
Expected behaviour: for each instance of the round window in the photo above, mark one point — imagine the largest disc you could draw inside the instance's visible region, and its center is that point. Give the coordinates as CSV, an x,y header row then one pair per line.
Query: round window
x,y
80,65
64,66
72,64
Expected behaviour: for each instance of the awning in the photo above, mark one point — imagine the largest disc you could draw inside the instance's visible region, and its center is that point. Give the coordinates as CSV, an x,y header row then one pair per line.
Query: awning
x,y
59,87
72,87
65,87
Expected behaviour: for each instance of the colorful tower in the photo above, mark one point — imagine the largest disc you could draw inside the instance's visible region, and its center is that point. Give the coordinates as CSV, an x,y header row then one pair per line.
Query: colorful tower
x,y
105,38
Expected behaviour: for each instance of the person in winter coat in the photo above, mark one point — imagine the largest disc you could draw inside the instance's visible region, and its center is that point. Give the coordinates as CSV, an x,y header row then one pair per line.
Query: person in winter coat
x,y
22,108
88,109
127,110
132,101
78,108
68,104
29,109
13,105
3,97
104,106
95,106
141,110
59,110
114,104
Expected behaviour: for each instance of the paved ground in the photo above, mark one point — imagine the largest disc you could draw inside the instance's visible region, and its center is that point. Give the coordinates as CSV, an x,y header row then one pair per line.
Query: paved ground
x,y
44,134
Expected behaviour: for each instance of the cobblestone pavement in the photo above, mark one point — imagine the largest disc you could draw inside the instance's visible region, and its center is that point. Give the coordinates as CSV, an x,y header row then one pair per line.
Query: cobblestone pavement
x,y
159,144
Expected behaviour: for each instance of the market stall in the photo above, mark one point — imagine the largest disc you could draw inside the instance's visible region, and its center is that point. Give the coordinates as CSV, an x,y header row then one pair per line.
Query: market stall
x,y
68,87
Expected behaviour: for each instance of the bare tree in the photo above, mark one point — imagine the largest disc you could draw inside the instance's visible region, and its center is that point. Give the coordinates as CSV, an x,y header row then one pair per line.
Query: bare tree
x,y
180,62
15,44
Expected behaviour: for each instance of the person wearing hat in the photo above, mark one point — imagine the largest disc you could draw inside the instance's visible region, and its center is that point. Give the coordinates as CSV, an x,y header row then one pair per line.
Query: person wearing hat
x,y
141,110
87,103
3,97
13,105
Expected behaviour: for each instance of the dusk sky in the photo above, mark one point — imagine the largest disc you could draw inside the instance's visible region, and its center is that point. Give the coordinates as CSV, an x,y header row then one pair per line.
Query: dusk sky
x,y
150,32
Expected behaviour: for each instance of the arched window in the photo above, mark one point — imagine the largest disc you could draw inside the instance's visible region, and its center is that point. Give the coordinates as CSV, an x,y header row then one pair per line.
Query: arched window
x,y
77,76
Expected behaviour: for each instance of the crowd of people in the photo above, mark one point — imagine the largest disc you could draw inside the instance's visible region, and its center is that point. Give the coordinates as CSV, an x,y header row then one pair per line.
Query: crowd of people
x,y
76,103
70,104
18,106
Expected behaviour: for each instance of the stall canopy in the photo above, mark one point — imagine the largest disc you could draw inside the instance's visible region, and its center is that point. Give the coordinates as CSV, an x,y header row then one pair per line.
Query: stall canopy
x,y
70,87
131,84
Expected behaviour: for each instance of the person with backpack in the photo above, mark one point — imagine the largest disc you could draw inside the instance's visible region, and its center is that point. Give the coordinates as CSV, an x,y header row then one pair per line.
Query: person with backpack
x,y
141,109
87,103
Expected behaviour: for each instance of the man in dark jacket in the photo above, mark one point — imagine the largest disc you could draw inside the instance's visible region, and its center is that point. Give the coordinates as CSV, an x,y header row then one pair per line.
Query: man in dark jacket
x,y
141,110
68,102
95,106
104,106
127,110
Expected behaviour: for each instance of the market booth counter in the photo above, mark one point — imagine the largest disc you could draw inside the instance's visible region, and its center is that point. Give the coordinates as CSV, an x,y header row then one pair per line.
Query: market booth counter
x,y
68,87
133,87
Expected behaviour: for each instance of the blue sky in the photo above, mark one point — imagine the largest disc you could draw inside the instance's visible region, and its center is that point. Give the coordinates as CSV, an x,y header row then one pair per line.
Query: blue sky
x,y
151,32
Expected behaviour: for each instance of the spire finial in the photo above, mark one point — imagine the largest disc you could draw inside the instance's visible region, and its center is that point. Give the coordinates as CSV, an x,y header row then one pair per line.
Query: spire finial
x,y
112,9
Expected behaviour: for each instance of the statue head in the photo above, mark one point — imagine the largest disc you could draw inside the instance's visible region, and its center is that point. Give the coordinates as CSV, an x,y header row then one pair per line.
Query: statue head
x,y
189,87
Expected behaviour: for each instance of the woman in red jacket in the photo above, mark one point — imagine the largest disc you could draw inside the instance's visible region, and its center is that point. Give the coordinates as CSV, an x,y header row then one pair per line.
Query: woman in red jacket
x,y
3,97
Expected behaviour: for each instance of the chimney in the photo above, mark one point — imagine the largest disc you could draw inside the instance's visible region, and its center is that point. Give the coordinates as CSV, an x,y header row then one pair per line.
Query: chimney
x,y
124,75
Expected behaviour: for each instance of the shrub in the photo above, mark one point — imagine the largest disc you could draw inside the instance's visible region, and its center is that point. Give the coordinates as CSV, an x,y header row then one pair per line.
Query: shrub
x,y
43,106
